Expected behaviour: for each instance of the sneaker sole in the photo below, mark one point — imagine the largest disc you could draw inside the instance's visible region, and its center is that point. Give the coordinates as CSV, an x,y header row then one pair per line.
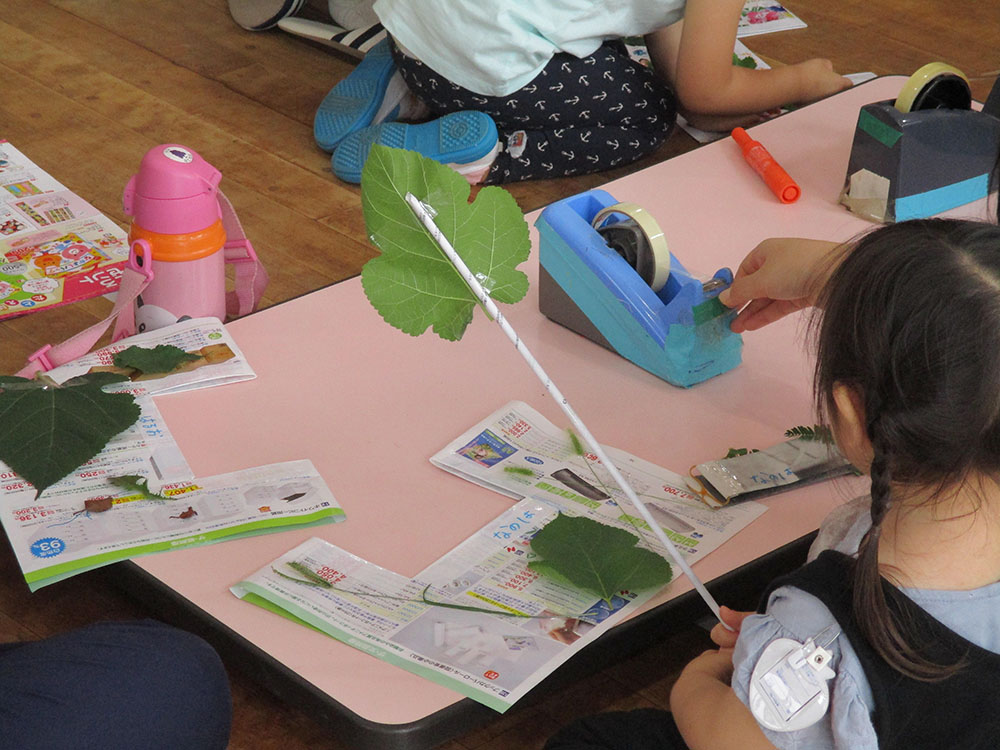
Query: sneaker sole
x,y
352,103
459,137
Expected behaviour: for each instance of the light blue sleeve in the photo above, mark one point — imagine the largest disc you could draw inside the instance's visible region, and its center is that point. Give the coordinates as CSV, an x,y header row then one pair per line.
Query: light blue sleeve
x,y
792,613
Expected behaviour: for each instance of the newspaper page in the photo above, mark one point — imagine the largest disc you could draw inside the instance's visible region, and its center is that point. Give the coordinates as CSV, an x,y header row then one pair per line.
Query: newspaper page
x,y
532,623
497,628
147,449
85,521
766,17
219,360
518,452
55,247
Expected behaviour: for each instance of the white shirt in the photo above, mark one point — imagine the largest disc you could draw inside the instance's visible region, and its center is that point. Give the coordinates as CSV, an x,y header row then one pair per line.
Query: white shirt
x,y
495,47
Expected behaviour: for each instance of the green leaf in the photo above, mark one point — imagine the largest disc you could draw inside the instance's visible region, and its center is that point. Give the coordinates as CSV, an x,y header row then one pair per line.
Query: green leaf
x,y
412,284
47,431
575,443
596,557
817,432
734,452
137,484
157,359
309,573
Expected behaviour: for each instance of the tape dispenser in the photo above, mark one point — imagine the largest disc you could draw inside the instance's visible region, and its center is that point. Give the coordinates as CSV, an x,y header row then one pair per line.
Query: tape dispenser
x,y
924,153
606,273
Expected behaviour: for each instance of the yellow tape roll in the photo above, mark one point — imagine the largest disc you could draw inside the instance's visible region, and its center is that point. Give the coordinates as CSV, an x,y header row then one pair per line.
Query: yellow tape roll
x,y
936,84
656,242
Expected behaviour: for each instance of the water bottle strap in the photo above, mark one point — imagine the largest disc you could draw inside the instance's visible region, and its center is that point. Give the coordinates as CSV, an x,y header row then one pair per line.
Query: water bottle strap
x,y
251,279
132,285
251,276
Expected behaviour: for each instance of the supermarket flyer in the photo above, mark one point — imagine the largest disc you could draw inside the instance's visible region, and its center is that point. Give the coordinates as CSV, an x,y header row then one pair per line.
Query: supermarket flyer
x,y
55,248
480,620
86,521
217,359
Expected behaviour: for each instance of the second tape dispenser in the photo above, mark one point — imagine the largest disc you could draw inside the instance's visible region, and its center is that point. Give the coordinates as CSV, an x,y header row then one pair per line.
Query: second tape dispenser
x,y
606,273
925,152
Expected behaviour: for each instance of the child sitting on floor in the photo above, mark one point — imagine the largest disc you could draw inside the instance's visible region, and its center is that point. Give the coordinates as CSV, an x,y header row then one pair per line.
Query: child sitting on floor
x,y
534,90
906,600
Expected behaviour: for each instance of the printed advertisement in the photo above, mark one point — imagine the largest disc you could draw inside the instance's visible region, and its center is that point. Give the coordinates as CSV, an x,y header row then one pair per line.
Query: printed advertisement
x,y
763,18
86,521
55,247
480,620
519,453
215,359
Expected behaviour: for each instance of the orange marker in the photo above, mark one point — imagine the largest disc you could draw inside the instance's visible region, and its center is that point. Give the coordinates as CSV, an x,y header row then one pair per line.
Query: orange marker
x,y
763,163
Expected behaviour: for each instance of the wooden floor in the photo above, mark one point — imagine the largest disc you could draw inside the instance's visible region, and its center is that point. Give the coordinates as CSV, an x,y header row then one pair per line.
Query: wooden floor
x,y
87,86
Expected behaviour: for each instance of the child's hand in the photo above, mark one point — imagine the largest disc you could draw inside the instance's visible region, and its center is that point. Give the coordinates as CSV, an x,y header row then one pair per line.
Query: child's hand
x,y
818,79
717,664
722,637
778,277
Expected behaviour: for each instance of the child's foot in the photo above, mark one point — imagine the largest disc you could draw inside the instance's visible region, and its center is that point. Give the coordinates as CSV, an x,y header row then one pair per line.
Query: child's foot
x,y
372,93
465,141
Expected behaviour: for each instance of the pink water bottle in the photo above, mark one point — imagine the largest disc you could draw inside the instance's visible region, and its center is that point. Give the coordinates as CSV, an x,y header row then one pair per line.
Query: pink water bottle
x,y
177,237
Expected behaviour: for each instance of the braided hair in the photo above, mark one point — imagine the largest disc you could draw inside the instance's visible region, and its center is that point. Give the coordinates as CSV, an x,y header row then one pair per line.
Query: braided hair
x,y
911,322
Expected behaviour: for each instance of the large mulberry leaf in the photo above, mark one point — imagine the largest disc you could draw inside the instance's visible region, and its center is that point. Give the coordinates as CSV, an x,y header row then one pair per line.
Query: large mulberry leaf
x,y
47,431
412,284
596,557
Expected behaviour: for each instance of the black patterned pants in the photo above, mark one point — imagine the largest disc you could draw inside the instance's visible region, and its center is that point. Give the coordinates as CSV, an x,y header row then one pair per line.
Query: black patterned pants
x,y
576,116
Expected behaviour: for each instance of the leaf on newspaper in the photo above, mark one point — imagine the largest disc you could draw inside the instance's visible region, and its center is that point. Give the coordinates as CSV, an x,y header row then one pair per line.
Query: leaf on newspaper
x,y
312,578
47,431
577,446
137,484
98,504
598,558
412,284
818,432
734,452
153,360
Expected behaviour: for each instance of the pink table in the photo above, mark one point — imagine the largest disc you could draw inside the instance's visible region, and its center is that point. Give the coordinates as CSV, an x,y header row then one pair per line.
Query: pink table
x,y
368,405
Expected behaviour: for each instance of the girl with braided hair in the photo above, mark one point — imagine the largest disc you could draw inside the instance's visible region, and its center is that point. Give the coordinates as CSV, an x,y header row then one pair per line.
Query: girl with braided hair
x,y
905,582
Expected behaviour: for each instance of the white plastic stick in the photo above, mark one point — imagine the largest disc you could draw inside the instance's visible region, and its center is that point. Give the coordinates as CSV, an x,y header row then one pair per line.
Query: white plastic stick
x,y
427,219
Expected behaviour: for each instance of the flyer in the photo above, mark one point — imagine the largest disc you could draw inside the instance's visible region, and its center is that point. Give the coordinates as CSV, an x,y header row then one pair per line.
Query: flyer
x,y
765,17
518,452
55,248
216,359
480,620
86,521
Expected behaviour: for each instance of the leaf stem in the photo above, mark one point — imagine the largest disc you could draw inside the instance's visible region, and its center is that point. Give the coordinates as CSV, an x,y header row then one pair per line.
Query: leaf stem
x,y
314,579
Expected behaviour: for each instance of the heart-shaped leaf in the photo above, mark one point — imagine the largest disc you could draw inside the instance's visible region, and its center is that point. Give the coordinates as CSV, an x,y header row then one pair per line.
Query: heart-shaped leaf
x,y
412,283
47,431
596,557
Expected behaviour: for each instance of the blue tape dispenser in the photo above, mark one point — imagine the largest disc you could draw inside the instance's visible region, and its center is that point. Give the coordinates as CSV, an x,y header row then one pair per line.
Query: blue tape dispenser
x,y
606,273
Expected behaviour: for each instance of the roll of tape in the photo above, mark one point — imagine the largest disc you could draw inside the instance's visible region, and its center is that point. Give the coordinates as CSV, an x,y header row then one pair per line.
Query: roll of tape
x,y
935,85
656,242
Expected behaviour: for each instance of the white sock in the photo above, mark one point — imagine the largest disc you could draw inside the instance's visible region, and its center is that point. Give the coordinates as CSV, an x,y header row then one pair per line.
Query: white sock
x,y
398,94
475,171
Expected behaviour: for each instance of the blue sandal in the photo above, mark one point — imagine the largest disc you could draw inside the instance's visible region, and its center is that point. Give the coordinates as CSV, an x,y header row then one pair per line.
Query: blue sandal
x,y
354,102
457,138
